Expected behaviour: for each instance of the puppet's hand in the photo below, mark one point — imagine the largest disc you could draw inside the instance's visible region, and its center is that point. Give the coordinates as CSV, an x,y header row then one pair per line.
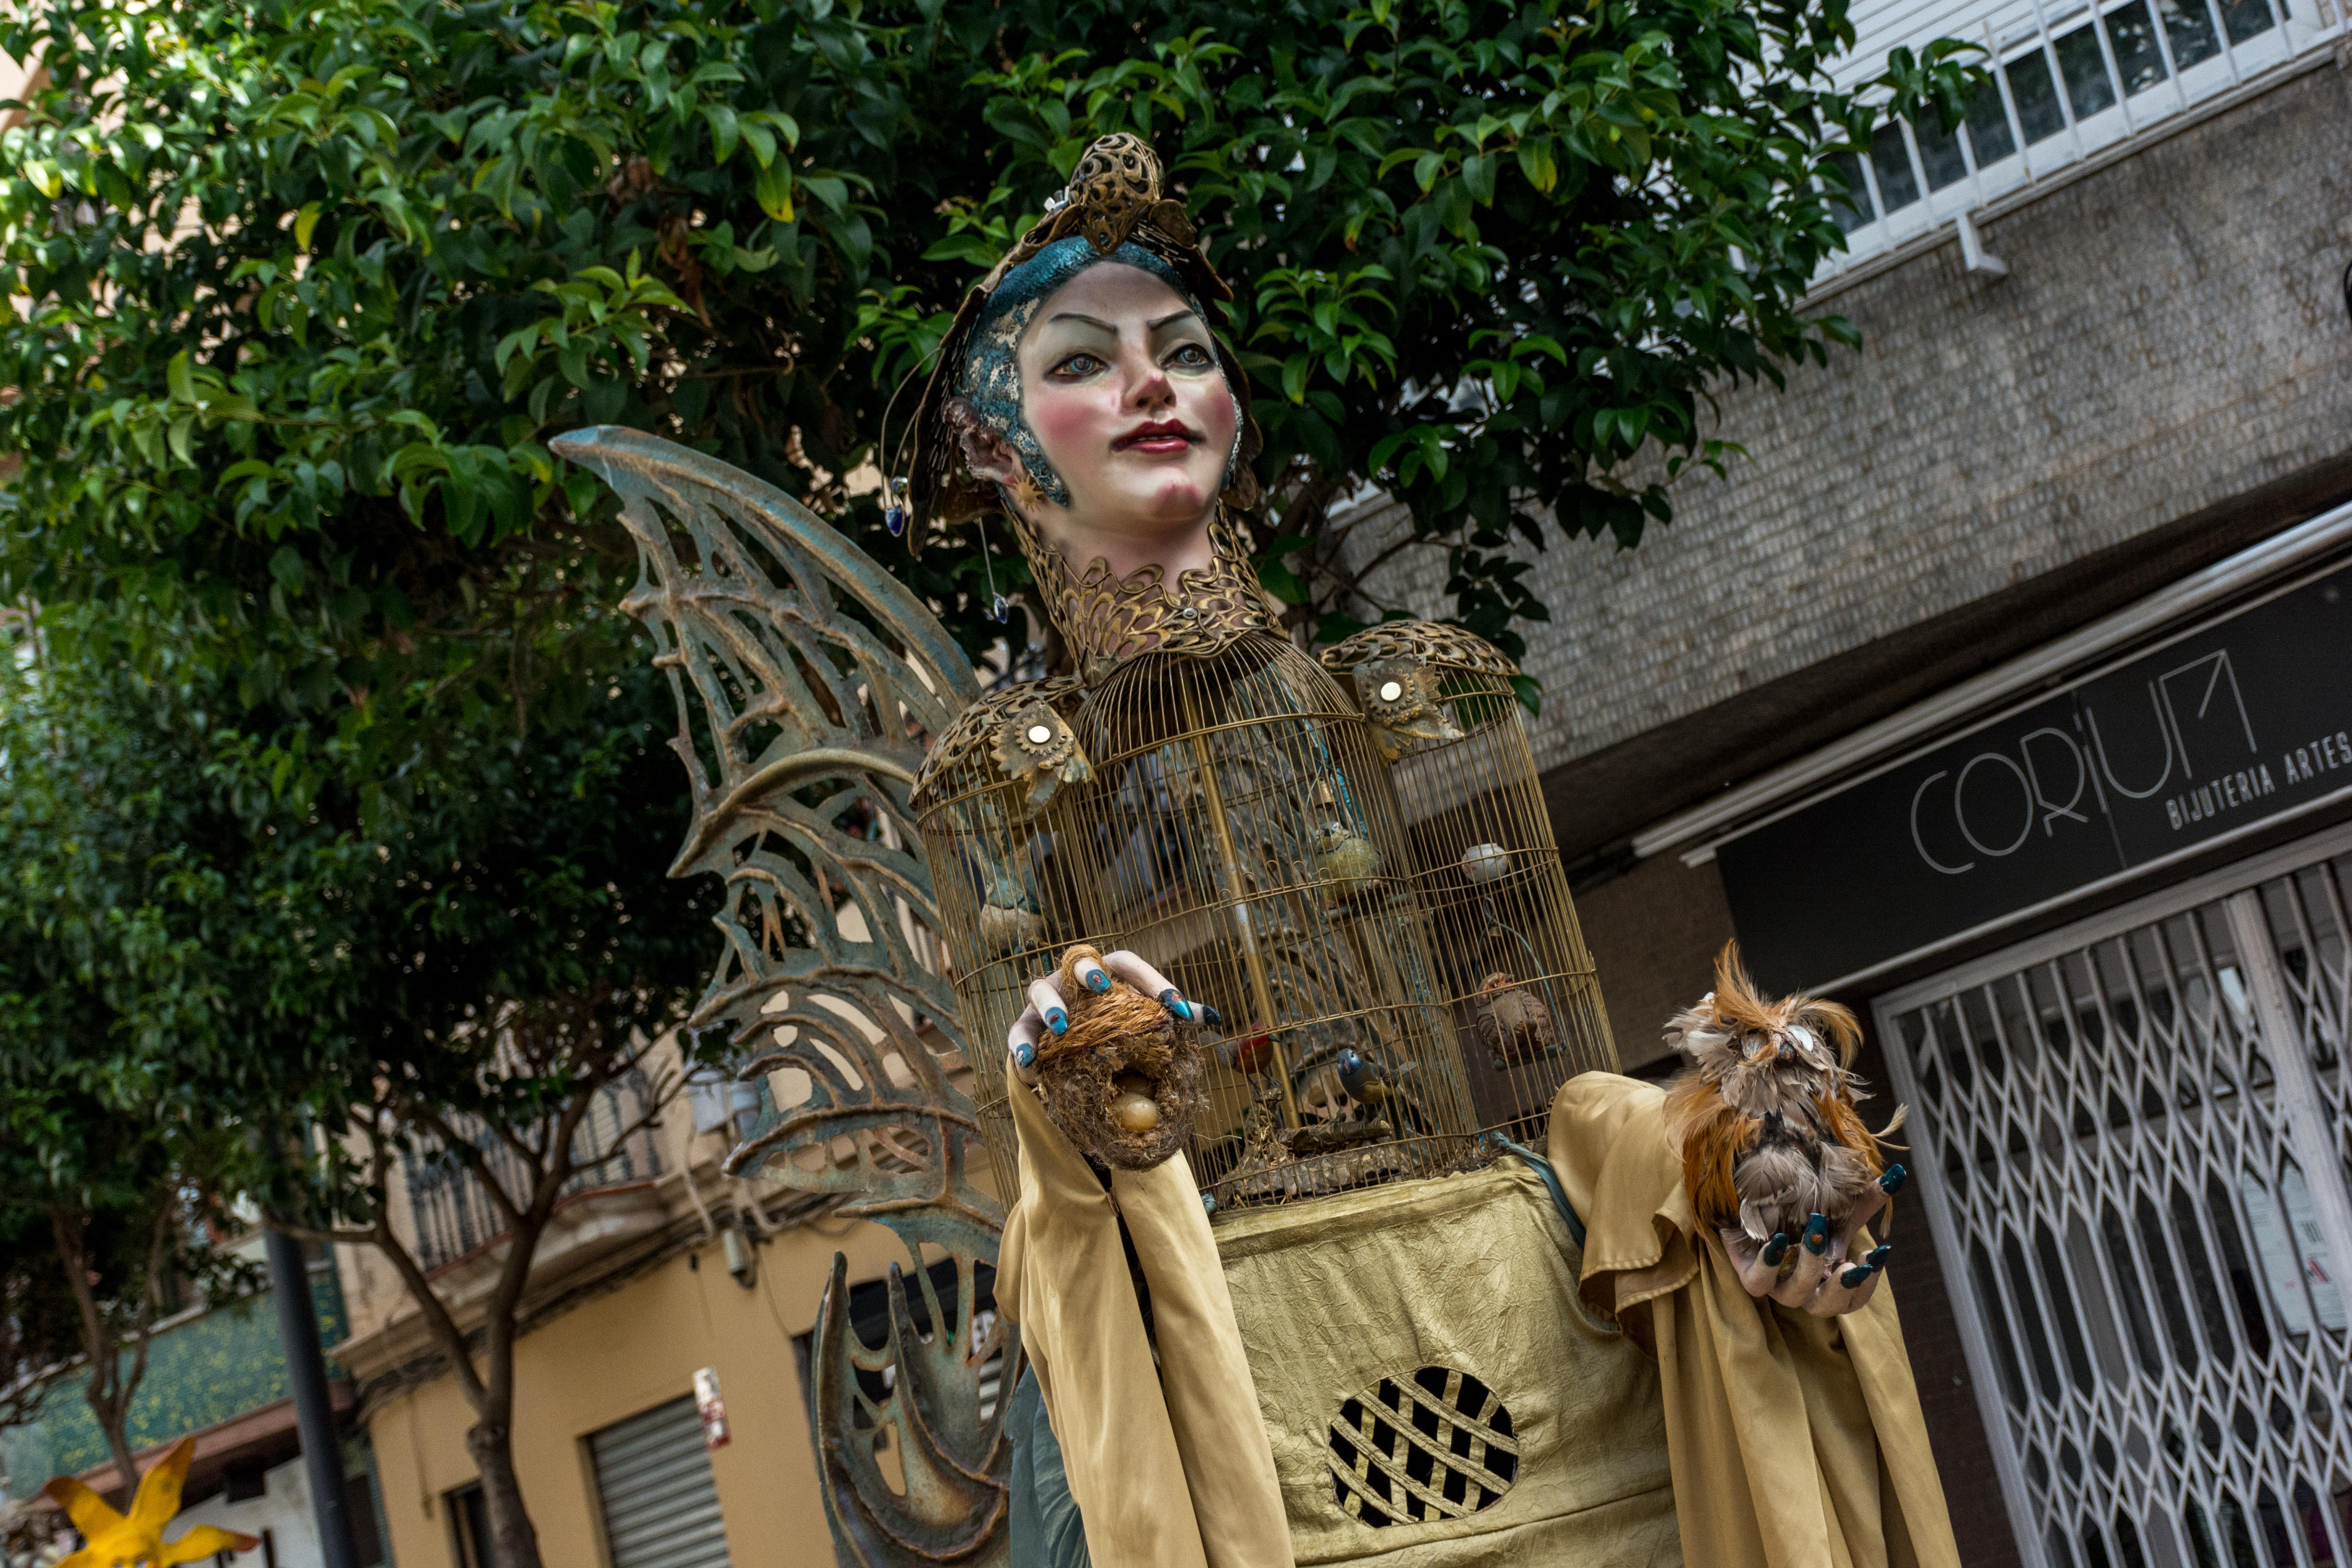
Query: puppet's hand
x,y
1047,1011
1812,1270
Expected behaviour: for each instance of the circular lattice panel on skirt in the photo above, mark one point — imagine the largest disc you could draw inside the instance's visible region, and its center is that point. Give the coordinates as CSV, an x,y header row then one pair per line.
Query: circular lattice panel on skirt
x,y
1436,1444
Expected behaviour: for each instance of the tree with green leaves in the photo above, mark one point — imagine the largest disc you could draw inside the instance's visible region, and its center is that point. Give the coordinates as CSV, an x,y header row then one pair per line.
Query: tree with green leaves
x,y
312,283
116,1173
212,989
528,965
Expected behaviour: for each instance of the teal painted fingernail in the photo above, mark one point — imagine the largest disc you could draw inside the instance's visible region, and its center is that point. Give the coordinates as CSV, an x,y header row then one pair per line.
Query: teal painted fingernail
x,y
1892,1182
1057,1021
1775,1249
1855,1275
1878,1255
1025,1054
1817,1235
1097,980
1178,1005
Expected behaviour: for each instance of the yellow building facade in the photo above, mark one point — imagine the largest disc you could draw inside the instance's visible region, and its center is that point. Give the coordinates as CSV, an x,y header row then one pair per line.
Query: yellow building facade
x,y
631,1297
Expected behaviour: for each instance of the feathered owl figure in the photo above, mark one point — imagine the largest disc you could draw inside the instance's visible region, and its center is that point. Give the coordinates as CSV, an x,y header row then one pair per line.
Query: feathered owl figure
x,y
1765,1120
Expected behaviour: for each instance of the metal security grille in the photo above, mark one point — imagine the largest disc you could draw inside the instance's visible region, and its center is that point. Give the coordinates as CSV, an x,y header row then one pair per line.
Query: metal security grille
x,y
661,1506
1436,1444
2139,1129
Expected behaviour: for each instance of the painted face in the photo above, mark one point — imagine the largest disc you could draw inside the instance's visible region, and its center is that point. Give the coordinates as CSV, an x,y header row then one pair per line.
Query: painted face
x,y
1121,382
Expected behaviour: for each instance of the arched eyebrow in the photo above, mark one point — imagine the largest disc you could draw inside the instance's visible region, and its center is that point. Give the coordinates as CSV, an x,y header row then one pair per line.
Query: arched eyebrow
x,y
1113,331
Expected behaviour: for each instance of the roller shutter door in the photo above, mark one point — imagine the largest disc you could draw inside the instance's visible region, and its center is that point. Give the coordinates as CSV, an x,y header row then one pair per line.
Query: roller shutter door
x,y
661,1505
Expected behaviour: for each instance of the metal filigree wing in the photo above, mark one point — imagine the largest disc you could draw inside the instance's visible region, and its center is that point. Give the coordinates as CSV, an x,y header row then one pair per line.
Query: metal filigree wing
x,y
808,682
942,1385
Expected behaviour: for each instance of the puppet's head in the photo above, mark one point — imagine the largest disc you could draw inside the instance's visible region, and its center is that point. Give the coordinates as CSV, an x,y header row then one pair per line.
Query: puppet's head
x,y
1112,211
1739,1041
135,1540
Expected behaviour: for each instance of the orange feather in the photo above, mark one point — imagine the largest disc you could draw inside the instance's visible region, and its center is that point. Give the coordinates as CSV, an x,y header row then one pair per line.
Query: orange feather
x,y
1712,1135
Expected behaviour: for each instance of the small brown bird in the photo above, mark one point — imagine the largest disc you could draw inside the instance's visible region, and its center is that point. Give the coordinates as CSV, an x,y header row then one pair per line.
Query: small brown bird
x,y
1513,1023
1766,1119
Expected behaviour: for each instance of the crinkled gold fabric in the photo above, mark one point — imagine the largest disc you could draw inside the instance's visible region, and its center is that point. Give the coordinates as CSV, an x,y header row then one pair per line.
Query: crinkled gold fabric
x,y
1476,1273
1797,1441
1170,1468
1757,1438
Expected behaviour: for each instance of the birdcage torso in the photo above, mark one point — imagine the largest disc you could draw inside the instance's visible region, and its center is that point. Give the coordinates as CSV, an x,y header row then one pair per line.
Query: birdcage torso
x,y
1330,883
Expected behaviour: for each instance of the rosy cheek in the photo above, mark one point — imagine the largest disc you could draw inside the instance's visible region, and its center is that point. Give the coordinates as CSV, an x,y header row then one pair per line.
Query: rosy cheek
x,y
1070,423
1208,407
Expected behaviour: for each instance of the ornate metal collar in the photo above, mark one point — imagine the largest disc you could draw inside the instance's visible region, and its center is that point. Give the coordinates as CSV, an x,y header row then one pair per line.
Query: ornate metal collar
x,y
1106,620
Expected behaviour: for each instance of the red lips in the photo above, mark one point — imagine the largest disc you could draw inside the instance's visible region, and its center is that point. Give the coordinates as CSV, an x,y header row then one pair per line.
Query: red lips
x,y
1157,436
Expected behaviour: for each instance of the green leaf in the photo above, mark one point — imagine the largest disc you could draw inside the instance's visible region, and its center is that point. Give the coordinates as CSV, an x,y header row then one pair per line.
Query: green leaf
x,y
725,133
180,378
305,223
775,191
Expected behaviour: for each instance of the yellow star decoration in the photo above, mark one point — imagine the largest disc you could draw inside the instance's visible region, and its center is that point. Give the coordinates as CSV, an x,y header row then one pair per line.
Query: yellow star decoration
x,y
110,1540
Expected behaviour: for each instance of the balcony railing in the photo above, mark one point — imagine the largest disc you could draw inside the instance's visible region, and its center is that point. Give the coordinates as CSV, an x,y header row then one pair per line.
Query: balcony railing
x,y
452,1209
2069,81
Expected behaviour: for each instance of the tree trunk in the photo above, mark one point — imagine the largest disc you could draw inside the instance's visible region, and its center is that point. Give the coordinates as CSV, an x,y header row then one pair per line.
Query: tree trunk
x,y
514,1543
113,1418
106,1388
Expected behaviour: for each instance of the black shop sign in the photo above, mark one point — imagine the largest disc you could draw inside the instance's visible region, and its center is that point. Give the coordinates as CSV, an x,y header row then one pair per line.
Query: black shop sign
x,y
2237,723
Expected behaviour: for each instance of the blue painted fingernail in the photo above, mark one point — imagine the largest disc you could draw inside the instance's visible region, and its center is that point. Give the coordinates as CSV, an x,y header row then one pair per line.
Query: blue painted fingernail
x,y
1817,1234
1216,1020
1025,1054
1178,1005
1057,1021
1877,1256
1097,980
1775,1249
1856,1274
1892,1182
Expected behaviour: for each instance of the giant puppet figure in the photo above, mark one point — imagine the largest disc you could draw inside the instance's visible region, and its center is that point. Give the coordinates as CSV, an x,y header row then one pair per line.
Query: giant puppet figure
x,y
1266,978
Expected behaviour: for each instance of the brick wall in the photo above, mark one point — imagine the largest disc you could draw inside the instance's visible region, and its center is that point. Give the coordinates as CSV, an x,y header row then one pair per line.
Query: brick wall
x,y
1653,936
2172,334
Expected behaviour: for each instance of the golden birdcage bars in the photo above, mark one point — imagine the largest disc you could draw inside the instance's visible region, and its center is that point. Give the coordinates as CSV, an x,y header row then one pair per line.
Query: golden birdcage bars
x,y
1237,821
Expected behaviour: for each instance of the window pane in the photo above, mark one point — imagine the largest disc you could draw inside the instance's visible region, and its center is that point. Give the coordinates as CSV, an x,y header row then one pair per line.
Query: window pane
x,y
2088,87
2247,19
2188,24
1851,208
2037,97
1989,134
2133,34
1939,150
1898,187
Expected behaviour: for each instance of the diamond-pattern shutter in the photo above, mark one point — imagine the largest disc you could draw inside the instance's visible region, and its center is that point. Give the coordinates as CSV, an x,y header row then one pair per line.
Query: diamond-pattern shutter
x,y
2135,1145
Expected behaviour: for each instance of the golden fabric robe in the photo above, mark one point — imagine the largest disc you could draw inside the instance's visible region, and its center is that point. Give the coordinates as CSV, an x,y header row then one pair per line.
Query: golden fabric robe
x,y
1139,1445
1796,1441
